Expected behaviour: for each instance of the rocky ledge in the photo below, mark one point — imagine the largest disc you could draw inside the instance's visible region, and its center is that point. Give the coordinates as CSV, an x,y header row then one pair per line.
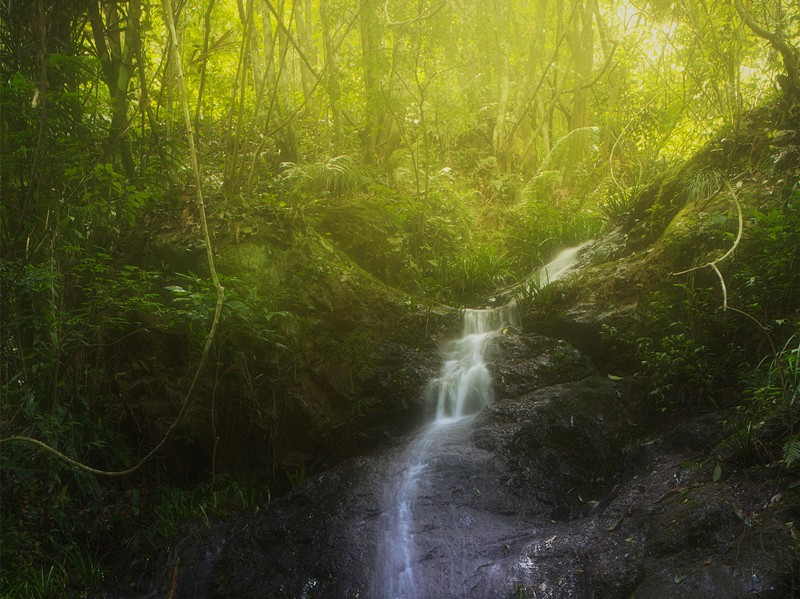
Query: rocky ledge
x,y
570,484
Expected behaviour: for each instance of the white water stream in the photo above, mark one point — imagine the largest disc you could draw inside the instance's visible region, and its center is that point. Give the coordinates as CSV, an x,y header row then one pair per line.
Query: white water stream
x,y
560,265
462,389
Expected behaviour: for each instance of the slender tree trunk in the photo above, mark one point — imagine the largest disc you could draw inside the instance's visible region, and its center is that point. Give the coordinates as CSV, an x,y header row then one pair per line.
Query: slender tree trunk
x,y
500,132
371,33
305,25
116,59
231,178
198,110
332,86
790,81
583,51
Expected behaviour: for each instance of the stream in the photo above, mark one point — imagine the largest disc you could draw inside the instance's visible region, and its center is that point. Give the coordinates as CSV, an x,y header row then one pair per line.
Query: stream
x,y
463,388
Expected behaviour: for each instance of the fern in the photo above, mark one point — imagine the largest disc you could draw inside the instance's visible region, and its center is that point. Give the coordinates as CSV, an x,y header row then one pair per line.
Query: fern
x,y
337,175
566,167
791,451
703,185
542,186
569,152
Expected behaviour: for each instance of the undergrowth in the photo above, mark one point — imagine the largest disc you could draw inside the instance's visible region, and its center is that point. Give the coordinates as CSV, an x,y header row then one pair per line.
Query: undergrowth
x,y
82,335
699,353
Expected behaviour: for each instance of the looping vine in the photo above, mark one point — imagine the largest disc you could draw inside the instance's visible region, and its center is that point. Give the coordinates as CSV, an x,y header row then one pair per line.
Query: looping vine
x,y
713,264
170,22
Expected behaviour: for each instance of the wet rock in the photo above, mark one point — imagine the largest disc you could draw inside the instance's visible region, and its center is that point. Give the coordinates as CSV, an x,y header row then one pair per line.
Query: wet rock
x,y
672,531
564,446
573,488
522,362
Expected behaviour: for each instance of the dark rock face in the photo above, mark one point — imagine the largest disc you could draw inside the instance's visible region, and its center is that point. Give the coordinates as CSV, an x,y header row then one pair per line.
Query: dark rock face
x,y
564,444
568,485
521,363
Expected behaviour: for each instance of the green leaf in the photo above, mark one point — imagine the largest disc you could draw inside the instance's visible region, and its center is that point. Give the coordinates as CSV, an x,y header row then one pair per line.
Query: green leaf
x,y
614,377
176,289
717,472
791,451
611,527
679,578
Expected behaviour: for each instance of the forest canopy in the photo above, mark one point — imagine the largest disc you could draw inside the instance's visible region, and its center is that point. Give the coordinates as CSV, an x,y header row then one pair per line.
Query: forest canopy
x,y
475,94
538,119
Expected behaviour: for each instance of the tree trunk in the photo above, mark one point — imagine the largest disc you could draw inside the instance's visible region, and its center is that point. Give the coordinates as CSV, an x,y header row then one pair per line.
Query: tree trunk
x,y
583,52
116,59
332,86
198,110
305,25
790,81
500,145
371,35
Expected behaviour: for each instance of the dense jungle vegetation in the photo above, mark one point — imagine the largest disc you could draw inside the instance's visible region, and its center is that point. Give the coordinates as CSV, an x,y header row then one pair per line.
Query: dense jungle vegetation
x,y
203,198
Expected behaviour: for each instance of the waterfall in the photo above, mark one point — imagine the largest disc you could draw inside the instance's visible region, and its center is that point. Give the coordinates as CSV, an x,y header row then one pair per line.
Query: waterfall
x,y
464,385
462,389
560,265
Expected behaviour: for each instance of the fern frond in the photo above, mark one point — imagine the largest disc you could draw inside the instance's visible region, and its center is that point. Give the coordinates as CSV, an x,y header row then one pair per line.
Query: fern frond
x,y
580,144
791,451
337,175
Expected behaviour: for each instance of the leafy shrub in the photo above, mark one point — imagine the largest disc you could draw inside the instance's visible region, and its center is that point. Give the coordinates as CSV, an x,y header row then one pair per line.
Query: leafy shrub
x,y
336,176
471,278
767,277
74,345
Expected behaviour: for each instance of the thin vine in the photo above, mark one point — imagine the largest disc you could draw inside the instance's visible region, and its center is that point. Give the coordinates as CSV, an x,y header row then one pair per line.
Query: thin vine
x,y
713,264
170,22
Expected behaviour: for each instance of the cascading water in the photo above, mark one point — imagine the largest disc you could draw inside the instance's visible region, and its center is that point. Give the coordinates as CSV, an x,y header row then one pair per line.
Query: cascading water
x,y
462,389
560,265
465,385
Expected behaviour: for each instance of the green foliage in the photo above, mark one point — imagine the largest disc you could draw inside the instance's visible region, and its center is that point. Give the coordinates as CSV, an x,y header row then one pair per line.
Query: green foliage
x,y
685,355
703,185
677,363
535,296
539,226
57,522
772,392
745,439
85,326
58,336
68,351
572,155
768,277
336,176
171,509
471,278
616,208
791,451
